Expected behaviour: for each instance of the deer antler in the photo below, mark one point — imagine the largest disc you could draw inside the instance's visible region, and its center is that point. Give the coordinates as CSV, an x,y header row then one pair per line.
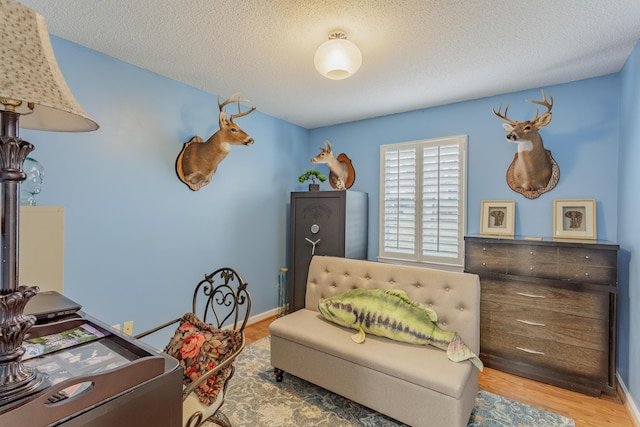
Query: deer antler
x,y
544,103
235,116
229,100
238,100
503,116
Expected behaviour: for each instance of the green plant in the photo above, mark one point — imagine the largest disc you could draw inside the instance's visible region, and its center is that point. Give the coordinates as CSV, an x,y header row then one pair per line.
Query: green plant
x,y
312,174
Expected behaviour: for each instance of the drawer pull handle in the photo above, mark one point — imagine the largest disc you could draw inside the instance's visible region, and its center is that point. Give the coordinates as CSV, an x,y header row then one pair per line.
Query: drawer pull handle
x,y
529,322
528,350
530,295
586,274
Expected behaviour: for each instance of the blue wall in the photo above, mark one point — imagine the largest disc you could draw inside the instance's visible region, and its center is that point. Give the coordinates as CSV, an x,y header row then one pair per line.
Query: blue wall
x,y
629,227
583,137
137,239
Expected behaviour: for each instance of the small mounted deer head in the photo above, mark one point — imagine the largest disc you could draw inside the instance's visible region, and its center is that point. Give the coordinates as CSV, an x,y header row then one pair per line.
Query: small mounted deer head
x,y
341,172
533,170
198,160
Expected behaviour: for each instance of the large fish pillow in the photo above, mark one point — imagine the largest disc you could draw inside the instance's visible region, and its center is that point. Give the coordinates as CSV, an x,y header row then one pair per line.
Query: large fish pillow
x,y
393,315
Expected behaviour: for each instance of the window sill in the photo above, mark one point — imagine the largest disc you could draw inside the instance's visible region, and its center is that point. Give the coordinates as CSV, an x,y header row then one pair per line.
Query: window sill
x,y
423,264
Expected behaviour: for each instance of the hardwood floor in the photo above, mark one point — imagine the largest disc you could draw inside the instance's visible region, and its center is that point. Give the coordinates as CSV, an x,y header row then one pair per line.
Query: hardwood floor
x,y
258,330
585,410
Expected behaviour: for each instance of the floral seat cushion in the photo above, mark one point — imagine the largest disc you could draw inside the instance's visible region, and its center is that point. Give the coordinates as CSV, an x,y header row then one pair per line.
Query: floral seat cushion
x,y
200,347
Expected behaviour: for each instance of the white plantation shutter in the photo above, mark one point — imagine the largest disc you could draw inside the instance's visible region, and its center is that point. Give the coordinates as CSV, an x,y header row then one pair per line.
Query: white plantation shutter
x,y
422,203
400,201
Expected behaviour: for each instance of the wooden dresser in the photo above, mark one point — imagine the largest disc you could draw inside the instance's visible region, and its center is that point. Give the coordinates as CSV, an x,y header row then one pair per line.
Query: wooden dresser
x,y
548,309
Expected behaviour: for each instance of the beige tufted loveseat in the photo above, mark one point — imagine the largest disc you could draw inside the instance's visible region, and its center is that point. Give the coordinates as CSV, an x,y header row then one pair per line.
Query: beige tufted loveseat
x,y
417,385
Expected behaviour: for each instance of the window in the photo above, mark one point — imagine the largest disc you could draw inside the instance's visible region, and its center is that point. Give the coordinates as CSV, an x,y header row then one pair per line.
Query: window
x,y
422,201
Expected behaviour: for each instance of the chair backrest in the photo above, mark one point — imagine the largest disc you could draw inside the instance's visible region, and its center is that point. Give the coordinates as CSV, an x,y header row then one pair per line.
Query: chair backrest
x,y
221,299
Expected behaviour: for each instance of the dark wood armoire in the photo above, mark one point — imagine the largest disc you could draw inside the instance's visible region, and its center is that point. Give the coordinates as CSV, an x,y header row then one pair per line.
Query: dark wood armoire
x,y
332,223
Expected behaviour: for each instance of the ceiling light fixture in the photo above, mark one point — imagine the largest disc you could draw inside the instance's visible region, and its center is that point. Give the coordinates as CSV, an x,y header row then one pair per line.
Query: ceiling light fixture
x,y
337,58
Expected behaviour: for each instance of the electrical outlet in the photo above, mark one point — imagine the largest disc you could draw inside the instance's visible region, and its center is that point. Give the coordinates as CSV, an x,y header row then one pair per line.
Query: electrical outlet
x,y
127,328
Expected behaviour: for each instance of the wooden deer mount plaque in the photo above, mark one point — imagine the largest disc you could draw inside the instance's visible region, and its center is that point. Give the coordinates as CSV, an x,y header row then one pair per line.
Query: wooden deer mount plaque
x,y
533,170
342,175
199,160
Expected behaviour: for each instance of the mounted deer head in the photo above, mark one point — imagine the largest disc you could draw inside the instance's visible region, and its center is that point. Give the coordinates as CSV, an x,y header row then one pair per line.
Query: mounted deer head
x,y
533,170
198,160
341,172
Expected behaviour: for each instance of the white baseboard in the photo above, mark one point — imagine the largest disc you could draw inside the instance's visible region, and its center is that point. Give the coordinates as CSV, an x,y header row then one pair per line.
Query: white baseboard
x,y
257,318
260,317
628,402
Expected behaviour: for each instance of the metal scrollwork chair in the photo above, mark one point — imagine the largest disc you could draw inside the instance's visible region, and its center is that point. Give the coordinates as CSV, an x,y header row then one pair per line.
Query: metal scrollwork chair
x,y
207,342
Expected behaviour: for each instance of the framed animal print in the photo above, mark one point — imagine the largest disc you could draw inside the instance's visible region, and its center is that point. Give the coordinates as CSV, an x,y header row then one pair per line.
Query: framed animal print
x,y
497,217
574,219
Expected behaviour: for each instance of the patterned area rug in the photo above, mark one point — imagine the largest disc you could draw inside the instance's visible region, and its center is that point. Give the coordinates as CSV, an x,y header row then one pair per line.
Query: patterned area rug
x,y
255,399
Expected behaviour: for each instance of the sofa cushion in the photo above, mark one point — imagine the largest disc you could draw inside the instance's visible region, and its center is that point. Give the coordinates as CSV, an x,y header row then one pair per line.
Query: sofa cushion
x,y
422,365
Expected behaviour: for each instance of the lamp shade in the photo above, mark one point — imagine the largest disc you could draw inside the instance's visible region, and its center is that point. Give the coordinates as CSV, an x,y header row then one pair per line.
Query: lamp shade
x,y
337,58
29,73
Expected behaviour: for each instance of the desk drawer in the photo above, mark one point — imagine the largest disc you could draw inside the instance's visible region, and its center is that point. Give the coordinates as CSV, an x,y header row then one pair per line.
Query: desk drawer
x,y
588,304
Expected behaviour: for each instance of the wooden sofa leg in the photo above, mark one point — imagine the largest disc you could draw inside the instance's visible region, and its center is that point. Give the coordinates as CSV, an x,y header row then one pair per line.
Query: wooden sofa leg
x,y
278,373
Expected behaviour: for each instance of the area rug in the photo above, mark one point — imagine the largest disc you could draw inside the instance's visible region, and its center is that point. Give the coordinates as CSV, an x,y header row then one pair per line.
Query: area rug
x,y
255,399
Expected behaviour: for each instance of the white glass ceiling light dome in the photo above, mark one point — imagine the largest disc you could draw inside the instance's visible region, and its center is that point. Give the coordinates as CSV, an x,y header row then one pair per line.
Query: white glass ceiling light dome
x,y
337,58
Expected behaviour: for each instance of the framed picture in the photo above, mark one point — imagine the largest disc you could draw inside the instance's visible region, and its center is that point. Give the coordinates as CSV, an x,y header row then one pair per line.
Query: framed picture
x,y
497,217
574,219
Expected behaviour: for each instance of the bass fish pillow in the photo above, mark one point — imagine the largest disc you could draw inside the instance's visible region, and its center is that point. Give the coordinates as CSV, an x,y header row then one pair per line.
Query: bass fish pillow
x,y
393,315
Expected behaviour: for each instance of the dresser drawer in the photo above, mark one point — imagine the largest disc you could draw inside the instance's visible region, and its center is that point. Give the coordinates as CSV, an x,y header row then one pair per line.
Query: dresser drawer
x,y
483,248
485,257
531,254
588,304
547,354
534,269
532,260
543,324
588,274
586,256
480,264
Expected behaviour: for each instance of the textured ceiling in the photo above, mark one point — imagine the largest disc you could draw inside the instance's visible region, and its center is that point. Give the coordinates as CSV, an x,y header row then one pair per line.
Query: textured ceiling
x,y
416,53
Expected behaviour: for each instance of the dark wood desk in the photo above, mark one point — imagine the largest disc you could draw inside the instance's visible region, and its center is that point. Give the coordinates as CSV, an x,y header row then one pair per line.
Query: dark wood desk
x,y
145,390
